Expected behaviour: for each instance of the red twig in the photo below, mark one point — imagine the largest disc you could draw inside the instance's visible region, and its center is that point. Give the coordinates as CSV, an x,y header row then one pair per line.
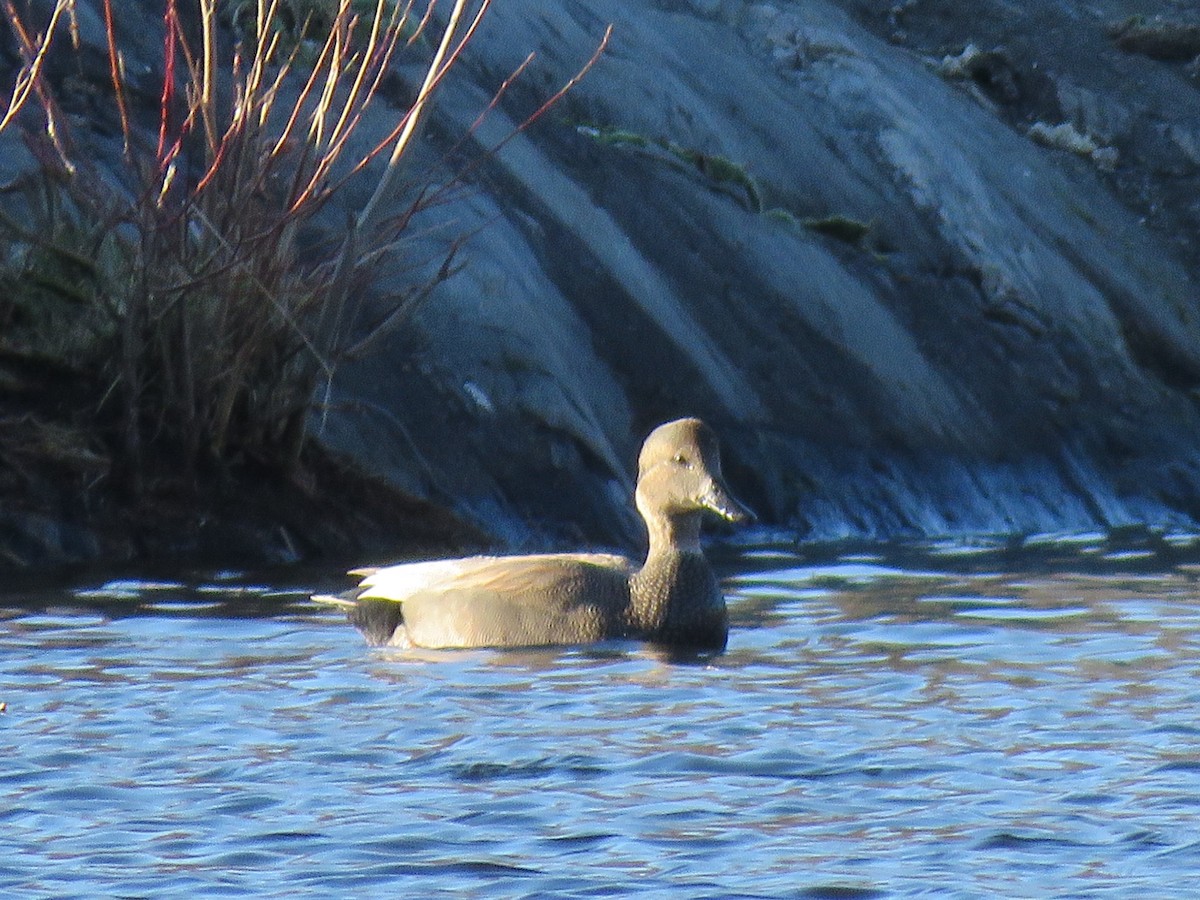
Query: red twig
x,y
114,71
499,95
171,25
562,92
466,171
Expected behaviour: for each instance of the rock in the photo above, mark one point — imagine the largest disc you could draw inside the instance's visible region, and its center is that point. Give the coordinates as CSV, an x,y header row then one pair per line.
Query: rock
x,y
35,540
1158,38
1011,344
991,70
851,385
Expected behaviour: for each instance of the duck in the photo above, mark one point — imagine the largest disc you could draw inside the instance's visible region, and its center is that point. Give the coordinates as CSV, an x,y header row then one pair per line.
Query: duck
x,y
672,599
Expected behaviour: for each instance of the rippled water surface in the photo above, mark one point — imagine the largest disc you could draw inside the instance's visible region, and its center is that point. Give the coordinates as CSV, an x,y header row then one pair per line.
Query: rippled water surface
x,y
961,719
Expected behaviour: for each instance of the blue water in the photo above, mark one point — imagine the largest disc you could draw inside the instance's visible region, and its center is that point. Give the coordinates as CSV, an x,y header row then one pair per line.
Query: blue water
x,y
973,718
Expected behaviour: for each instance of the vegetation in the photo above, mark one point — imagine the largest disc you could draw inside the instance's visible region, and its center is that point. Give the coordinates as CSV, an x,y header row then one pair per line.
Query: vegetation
x,y
190,287
842,228
729,175
719,170
1066,136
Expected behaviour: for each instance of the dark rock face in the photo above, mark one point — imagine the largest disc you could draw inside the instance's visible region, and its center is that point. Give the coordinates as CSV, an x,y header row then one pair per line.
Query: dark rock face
x,y
924,269
1011,344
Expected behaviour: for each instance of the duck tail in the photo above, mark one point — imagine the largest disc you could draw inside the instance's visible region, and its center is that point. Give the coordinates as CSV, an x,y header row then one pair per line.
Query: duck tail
x,y
376,619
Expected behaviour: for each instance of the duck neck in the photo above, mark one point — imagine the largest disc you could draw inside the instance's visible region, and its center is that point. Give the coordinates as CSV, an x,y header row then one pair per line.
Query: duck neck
x,y
675,597
673,535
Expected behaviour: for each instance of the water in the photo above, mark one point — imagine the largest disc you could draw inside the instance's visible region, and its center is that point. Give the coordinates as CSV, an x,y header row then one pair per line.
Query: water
x,y
959,719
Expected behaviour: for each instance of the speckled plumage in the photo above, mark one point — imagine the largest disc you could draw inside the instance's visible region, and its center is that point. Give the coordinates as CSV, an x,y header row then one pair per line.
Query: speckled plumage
x,y
673,599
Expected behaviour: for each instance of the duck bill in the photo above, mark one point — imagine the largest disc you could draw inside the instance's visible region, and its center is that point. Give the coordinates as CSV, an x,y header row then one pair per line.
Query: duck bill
x,y
717,499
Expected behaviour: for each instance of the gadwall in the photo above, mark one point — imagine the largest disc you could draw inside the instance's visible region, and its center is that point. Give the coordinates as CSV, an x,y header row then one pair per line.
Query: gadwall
x,y
573,598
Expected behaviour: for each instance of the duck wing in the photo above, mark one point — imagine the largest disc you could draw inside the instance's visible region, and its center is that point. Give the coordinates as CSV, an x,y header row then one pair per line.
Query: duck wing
x,y
529,577
513,601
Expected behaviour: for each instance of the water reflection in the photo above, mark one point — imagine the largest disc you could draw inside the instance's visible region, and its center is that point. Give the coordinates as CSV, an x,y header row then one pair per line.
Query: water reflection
x,y
973,718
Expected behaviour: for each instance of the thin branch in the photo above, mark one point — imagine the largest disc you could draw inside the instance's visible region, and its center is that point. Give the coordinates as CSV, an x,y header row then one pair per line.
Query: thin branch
x,y
465,172
207,85
114,71
172,42
433,76
28,77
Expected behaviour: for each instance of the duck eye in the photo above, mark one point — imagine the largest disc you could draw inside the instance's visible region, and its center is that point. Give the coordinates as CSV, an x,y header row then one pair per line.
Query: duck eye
x,y
682,460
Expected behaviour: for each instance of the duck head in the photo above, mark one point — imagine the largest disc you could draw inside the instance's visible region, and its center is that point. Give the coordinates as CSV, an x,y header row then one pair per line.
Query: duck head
x,y
679,477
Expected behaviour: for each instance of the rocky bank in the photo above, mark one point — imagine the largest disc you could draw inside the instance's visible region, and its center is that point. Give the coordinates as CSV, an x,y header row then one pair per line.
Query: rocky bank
x,y
929,268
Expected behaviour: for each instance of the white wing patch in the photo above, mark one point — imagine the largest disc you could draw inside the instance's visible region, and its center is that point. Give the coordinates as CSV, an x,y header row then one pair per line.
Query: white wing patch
x,y
514,573
406,579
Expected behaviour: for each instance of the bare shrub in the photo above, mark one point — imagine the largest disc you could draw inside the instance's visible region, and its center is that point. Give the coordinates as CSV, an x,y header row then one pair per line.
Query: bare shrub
x,y
217,316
